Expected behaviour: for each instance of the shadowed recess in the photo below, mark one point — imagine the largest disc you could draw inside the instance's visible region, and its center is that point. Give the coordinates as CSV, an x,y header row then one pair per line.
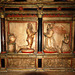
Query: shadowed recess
x,y
2,63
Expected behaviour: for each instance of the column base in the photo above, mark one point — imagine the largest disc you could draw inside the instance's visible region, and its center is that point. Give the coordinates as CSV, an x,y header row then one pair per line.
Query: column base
x,y
3,52
39,52
50,51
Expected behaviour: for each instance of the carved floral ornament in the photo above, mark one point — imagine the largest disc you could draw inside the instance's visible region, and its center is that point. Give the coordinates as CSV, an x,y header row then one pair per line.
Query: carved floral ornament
x,y
59,8
21,8
57,63
21,63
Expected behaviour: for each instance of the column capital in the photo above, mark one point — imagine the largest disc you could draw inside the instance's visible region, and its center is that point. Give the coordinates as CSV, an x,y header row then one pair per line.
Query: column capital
x,y
2,15
40,10
40,5
40,13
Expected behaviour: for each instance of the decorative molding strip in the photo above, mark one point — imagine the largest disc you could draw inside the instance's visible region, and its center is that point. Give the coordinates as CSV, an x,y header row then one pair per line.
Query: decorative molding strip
x,y
35,0
21,15
58,15
57,18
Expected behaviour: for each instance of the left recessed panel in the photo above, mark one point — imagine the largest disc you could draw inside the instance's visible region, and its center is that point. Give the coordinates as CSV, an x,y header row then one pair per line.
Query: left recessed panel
x,y
21,36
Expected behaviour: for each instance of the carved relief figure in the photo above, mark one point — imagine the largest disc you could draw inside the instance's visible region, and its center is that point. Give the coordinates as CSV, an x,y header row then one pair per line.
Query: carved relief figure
x,y
62,30
49,39
57,38
65,44
11,43
30,35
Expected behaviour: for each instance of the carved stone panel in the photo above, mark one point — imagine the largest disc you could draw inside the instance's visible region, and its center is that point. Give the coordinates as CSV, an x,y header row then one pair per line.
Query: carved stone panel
x,y
57,63
52,30
25,37
21,63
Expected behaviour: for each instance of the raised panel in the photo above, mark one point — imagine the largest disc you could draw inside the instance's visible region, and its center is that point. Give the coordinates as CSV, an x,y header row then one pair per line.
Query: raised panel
x,y
56,63
21,63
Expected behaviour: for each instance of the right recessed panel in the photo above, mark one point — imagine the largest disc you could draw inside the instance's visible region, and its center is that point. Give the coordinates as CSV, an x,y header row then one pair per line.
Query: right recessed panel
x,y
57,37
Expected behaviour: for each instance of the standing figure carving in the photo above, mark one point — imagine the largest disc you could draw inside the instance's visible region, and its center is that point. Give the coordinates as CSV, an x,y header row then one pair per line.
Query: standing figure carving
x,y
30,35
49,40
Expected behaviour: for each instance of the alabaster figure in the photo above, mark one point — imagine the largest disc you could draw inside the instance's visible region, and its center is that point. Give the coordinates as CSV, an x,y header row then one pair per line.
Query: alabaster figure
x,y
49,39
30,35
65,44
11,38
11,43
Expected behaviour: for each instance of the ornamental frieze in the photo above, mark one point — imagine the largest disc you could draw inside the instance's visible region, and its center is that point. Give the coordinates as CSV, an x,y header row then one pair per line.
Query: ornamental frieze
x,y
21,63
57,63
